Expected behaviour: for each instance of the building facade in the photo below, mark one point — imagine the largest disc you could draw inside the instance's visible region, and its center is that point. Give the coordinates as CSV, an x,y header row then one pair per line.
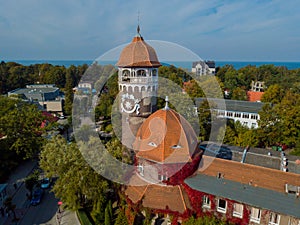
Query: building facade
x,y
47,96
178,177
204,68
247,113
138,82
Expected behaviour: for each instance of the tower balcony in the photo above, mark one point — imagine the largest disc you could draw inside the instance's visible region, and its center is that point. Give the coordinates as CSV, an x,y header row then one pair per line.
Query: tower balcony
x,y
137,80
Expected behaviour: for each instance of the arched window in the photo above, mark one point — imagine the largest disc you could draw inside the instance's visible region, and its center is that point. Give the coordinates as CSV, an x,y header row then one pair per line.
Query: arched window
x,y
141,73
125,75
154,72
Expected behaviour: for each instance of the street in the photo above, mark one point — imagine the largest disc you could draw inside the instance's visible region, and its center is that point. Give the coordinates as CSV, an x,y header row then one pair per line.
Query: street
x,y
42,213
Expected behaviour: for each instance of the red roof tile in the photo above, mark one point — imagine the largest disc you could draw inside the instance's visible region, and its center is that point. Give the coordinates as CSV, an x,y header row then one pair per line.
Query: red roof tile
x,y
254,96
248,174
138,54
160,197
166,137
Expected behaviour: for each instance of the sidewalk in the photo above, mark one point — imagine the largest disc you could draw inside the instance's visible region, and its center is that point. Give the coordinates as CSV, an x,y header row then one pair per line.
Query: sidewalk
x,y
64,218
67,218
17,177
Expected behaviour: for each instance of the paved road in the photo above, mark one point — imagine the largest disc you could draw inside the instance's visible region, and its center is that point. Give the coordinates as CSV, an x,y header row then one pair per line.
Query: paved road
x,y
42,213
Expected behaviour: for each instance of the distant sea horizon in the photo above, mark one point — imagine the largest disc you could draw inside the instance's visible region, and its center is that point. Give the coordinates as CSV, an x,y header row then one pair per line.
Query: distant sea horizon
x,y
184,64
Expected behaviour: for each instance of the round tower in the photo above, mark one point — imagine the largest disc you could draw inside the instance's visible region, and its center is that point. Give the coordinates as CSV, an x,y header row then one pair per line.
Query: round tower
x,y
138,82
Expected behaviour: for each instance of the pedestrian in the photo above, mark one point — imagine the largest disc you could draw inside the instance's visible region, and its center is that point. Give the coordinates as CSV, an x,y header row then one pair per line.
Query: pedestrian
x,y
15,186
2,211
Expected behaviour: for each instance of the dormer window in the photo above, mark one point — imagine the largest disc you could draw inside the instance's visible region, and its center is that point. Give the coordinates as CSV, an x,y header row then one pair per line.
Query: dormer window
x,y
152,144
176,146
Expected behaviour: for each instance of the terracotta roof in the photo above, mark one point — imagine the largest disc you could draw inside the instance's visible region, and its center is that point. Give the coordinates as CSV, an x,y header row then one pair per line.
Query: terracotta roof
x,y
254,96
166,137
160,197
248,174
138,54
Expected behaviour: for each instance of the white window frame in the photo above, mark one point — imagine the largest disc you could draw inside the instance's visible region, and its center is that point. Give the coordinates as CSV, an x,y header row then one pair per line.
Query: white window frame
x,y
206,202
274,219
255,219
162,177
220,209
237,213
141,169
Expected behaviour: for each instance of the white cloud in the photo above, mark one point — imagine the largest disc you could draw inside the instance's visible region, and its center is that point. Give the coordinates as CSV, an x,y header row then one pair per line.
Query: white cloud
x,y
88,28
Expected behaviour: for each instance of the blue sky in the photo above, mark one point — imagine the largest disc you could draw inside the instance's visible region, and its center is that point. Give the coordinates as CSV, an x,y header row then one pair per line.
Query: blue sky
x,y
244,30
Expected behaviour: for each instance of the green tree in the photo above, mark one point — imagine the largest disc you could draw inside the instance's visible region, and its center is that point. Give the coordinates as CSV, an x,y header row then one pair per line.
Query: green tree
x,y
70,83
56,75
204,220
108,217
31,181
21,122
121,219
205,120
193,89
273,94
239,94
78,184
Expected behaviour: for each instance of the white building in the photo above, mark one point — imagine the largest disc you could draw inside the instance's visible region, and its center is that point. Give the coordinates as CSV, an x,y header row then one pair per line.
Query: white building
x,y
204,68
247,113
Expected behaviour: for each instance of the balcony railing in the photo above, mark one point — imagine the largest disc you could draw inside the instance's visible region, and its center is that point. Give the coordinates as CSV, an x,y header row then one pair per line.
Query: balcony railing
x,y
137,80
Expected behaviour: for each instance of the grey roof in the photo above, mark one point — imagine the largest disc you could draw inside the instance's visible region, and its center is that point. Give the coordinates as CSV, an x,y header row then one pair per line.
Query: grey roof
x,y
32,90
202,63
255,156
286,204
233,105
211,64
39,92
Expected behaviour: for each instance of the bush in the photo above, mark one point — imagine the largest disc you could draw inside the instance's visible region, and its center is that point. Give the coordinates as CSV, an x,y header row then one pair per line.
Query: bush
x,y
83,217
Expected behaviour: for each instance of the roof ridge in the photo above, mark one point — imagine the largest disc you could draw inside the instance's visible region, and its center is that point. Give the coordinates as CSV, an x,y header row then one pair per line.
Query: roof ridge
x,y
182,198
253,166
144,192
164,139
182,132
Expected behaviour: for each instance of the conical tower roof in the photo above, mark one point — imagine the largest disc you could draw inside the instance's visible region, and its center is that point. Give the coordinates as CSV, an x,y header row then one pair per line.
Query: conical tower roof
x,y
138,54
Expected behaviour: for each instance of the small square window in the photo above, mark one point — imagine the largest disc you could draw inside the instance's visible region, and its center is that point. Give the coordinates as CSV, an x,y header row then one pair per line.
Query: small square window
x,y
206,202
255,215
274,219
238,210
162,177
222,206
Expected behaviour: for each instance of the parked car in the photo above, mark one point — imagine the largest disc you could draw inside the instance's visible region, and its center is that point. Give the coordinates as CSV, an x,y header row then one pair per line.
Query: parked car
x,y
36,197
45,183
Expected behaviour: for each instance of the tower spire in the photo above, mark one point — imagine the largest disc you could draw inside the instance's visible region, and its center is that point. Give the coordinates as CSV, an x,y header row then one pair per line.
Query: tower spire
x,y
138,27
167,103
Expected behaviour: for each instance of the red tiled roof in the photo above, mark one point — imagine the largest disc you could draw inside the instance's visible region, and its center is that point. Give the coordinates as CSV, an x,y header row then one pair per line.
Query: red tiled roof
x,y
160,197
166,137
254,96
248,174
138,54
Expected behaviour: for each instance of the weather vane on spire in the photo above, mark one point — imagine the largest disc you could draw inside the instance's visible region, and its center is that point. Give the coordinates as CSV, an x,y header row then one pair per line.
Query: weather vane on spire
x,y
138,27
